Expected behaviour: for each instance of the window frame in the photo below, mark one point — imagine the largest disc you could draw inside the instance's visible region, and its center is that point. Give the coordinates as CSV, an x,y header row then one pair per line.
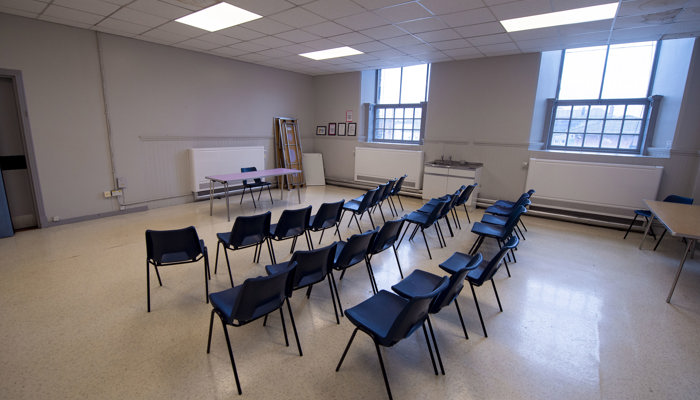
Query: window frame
x,y
651,104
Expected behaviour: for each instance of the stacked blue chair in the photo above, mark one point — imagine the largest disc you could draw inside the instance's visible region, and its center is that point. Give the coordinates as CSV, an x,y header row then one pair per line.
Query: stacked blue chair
x,y
424,221
247,231
291,225
328,216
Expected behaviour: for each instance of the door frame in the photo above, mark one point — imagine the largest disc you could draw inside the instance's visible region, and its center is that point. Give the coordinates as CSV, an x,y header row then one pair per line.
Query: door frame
x,y
18,85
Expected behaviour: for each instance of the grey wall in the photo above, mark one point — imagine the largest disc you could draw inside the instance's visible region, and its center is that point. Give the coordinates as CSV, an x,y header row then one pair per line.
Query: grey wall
x,y
159,102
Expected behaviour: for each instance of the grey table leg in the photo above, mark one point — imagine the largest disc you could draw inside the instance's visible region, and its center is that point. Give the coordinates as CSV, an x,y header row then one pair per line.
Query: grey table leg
x,y
646,231
688,249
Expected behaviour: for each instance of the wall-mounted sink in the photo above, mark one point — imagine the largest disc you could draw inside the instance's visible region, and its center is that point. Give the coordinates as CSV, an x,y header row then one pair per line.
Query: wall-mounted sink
x,y
455,163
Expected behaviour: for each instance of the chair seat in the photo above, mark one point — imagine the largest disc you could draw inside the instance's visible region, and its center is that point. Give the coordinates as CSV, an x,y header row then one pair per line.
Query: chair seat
x,y
225,237
419,218
179,256
225,300
376,315
504,203
476,276
499,210
456,262
306,280
416,284
256,184
326,224
290,233
644,213
488,230
352,205
499,220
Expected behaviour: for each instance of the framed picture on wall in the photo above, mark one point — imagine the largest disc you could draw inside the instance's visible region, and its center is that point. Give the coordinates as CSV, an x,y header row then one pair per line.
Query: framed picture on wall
x,y
331,129
352,129
320,130
341,129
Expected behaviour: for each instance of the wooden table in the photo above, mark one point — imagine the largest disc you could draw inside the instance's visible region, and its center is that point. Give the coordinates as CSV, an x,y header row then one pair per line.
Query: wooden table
x,y
225,179
681,220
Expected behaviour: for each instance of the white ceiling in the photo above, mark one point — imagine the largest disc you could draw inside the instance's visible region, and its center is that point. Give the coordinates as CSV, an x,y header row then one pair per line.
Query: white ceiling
x,y
389,32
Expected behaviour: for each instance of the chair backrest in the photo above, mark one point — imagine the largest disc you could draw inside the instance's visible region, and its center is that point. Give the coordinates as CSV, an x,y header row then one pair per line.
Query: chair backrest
x,y
260,296
412,316
530,192
455,284
312,265
482,275
328,214
354,250
450,205
513,219
436,211
464,196
399,183
389,189
379,195
250,169
674,198
173,246
388,234
367,200
248,230
292,223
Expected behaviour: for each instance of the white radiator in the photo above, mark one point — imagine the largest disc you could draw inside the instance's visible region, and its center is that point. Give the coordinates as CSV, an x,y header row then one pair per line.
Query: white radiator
x,y
221,160
379,165
608,189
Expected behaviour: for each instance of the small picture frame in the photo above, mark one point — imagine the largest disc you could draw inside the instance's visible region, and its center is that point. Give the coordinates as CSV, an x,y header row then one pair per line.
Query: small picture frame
x,y
320,130
341,129
331,129
352,129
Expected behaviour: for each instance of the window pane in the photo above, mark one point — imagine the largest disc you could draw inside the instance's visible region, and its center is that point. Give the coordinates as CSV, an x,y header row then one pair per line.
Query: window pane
x,y
580,112
635,111
563,112
408,112
559,139
594,126
418,112
577,125
592,141
582,73
616,111
612,126
379,134
597,112
416,135
407,135
398,113
628,70
389,124
628,141
632,126
413,83
561,125
390,113
389,85
610,141
575,140
397,135
380,123
408,124
380,113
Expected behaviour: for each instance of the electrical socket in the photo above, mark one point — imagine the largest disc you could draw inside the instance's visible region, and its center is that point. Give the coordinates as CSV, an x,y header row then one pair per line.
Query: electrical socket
x,y
117,192
107,194
121,182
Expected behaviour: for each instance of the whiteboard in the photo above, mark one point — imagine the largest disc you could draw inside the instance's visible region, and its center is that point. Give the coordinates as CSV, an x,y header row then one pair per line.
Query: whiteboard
x,y
313,169
222,160
603,184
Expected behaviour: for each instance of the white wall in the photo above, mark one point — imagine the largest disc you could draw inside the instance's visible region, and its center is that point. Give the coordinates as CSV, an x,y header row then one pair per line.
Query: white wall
x,y
160,101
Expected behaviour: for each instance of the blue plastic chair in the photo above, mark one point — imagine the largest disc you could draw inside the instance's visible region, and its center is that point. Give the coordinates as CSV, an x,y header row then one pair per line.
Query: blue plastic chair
x,y
257,182
389,318
291,225
424,221
647,216
247,231
328,216
350,253
360,206
386,238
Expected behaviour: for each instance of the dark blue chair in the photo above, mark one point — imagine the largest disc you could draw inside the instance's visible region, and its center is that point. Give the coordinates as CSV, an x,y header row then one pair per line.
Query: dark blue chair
x,y
446,210
350,253
389,318
483,273
421,281
312,267
328,216
360,206
424,221
500,233
173,247
396,192
245,303
257,182
291,225
647,216
386,238
462,201
247,231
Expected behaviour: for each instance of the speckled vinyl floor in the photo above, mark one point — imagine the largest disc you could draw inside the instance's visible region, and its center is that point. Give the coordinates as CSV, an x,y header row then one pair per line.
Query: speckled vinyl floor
x,y
584,317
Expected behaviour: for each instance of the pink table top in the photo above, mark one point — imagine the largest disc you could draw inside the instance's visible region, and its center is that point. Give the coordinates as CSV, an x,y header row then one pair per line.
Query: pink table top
x,y
252,175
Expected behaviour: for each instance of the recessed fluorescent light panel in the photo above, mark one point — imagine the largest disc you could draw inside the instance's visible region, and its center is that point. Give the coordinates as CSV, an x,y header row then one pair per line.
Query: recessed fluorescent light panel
x,y
217,17
575,16
332,53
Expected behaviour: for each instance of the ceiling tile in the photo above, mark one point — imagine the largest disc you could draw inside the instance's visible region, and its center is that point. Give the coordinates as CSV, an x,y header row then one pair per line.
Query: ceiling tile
x,y
648,7
383,32
463,53
229,52
192,5
595,26
451,6
164,36
138,17
219,39
297,17
423,25
182,29
115,25
321,44
327,28
638,34
479,41
375,4
30,6
297,49
471,17
488,28
362,21
266,25
264,8
499,49
249,47
297,36
531,34
271,42
159,8
689,14
549,43
275,53
333,9
198,44
117,2
451,44
21,13
371,46
253,57
403,12
523,8
438,36
68,14
351,38
416,49
240,33
405,40
91,6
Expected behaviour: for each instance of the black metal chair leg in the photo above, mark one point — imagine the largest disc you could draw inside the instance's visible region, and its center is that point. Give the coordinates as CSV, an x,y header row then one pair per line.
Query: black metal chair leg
x,y
659,241
629,228
478,310
437,351
335,308
211,324
461,320
467,212
230,276
216,262
426,243
230,354
396,254
337,295
430,350
381,364
148,286
352,337
496,292
284,327
294,327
